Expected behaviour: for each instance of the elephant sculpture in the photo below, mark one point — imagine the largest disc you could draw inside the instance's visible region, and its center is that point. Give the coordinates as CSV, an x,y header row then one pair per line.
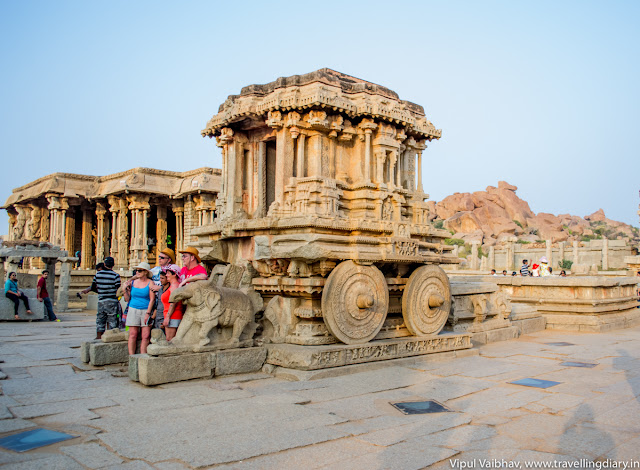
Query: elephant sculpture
x,y
210,306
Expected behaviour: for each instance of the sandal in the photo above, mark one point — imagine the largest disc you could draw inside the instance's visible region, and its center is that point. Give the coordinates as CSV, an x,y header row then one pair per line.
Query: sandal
x,y
17,317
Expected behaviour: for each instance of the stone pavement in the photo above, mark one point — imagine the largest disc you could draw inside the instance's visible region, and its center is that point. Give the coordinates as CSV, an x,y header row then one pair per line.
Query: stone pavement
x,y
260,422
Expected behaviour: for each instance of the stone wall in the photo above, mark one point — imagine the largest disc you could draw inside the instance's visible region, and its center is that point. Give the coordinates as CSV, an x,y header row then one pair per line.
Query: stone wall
x,y
605,254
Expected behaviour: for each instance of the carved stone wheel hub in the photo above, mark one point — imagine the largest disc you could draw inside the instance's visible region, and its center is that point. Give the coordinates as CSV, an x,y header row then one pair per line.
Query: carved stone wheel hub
x,y
426,301
355,300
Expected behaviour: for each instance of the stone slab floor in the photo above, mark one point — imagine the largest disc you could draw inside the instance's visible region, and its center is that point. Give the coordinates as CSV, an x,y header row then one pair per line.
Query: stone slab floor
x,y
260,422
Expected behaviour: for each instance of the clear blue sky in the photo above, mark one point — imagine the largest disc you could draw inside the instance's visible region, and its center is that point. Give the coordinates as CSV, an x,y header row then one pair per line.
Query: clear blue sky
x,y
544,94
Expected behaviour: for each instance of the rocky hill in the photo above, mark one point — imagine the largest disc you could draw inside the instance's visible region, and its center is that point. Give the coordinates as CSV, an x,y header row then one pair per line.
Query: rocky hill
x,y
498,215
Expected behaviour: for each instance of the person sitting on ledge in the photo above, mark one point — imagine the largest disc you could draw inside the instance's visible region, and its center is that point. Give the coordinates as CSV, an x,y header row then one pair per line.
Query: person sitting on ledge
x,y
524,270
544,267
504,272
12,293
563,273
493,272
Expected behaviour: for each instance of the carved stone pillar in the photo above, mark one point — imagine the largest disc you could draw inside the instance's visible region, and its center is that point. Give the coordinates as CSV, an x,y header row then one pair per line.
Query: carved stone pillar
x,y
86,252
178,210
101,235
13,219
32,226
576,254
393,159
230,171
367,126
57,208
189,220
139,207
261,210
548,252
120,231
50,265
381,155
114,208
70,231
605,253
492,257
474,256
62,303
300,156
280,157
20,228
420,147
161,228
205,205
561,248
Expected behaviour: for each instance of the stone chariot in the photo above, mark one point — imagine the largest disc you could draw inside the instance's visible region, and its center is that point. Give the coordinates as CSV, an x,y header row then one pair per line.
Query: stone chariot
x,y
322,207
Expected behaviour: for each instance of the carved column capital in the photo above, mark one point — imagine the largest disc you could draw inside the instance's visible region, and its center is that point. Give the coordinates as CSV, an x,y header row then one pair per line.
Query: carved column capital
x,y
138,201
57,202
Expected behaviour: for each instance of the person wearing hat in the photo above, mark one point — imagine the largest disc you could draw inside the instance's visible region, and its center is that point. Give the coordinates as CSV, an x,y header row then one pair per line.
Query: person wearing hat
x,y
107,282
192,269
137,291
165,258
544,267
173,311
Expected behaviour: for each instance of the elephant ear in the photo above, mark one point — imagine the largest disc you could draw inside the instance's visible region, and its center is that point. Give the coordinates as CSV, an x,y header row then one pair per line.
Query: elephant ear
x,y
211,299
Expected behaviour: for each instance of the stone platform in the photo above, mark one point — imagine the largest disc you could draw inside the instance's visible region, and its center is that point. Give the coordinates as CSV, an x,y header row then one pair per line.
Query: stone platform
x,y
293,356
157,370
578,303
6,307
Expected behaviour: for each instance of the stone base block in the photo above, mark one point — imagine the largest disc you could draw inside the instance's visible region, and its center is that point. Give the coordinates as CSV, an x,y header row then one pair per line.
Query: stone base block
x,y
593,323
239,361
85,354
6,307
530,325
157,370
101,354
133,368
415,361
492,336
292,356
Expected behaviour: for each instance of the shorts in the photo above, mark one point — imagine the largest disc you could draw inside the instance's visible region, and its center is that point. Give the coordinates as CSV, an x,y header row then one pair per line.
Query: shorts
x,y
135,316
174,323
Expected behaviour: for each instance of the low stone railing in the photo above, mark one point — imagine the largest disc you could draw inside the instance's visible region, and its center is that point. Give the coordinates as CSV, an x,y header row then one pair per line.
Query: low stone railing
x,y
580,303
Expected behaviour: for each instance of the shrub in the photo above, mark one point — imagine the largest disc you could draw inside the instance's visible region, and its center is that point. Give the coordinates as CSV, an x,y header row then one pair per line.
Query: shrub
x,y
522,242
454,241
565,264
519,224
439,224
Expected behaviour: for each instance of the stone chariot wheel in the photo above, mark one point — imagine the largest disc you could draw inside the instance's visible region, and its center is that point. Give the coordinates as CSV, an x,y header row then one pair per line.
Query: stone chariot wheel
x,y
426,301
355,301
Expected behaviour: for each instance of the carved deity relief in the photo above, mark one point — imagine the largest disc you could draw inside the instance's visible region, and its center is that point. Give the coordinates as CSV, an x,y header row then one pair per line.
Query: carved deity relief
x,y
317,119
32,228
21,222
274,119
44,225
387,209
